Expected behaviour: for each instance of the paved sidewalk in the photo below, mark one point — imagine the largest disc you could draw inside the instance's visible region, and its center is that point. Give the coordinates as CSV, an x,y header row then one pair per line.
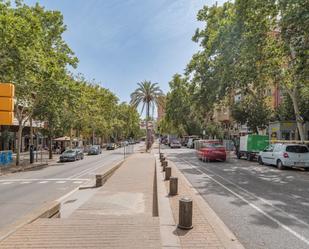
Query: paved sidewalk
x,y
208,230
119,215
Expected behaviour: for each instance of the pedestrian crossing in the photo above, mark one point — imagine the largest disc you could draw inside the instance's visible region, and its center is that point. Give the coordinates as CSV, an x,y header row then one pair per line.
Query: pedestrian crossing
x,y
41,181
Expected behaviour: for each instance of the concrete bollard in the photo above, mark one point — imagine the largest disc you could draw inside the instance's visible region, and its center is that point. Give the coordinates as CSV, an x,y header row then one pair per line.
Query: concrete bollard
x,y
185,213
173,185
168,173
98,180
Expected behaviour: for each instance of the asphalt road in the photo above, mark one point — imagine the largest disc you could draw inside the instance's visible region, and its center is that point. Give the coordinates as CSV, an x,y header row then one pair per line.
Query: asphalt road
x,y
20,193
262,206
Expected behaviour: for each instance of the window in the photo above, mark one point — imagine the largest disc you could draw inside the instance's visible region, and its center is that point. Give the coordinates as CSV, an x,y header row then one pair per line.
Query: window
x,y
297,149
270,148
277,147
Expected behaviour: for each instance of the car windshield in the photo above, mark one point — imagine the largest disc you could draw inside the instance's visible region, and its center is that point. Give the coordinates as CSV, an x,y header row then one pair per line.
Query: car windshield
x,y
297,149
69,151
213,145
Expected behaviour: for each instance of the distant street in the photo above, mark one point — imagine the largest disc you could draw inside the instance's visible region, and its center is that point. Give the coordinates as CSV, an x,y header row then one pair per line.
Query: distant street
x,y
21,193
262,206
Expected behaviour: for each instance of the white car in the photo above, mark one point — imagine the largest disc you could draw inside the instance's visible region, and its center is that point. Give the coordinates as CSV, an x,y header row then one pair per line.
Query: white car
x,y
175,144
285,155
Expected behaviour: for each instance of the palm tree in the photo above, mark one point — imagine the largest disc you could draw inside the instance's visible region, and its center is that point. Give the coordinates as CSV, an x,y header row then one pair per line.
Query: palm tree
x,y
149,94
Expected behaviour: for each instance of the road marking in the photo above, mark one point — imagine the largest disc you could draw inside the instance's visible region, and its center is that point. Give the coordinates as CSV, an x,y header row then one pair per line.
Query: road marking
x,y
25,182
43,182
60,182
87,171
297,235
78,182
6,183
253,195
42,179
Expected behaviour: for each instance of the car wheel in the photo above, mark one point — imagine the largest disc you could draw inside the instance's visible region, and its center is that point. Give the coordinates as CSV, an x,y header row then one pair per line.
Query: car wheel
x,y
280,165
260,161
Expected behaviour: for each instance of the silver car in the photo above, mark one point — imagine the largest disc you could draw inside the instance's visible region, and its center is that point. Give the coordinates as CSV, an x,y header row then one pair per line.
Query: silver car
x,y
285,155
72,155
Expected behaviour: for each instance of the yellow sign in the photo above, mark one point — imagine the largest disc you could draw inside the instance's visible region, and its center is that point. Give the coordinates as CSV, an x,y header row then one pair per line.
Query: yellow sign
x,y
7,92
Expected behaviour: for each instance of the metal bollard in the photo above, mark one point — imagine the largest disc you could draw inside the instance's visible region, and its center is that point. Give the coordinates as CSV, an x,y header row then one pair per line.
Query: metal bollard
x,y
164,165
98,180
185,213
162,159
161,155
173,185
168,173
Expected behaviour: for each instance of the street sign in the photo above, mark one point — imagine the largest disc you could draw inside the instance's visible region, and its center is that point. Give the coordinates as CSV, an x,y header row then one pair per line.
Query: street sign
x,y
7,91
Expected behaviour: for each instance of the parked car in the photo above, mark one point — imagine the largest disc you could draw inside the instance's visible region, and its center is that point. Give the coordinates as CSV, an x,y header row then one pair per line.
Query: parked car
x,y
212,151
95,150
175,144
111,146
285,155
71,155
190,143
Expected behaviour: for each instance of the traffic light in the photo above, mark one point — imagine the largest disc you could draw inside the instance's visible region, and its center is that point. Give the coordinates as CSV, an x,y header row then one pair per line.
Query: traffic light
x,y
7,91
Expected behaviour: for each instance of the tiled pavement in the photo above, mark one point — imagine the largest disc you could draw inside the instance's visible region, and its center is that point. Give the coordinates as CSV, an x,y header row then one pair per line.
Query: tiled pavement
x,y
119,215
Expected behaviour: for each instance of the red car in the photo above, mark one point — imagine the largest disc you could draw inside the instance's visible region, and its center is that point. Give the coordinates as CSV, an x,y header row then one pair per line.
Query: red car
x,y
212,151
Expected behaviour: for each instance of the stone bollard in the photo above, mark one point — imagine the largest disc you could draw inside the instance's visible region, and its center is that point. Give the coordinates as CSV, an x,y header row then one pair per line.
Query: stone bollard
x,y
98,180
164,165
185,213
173,185
168,173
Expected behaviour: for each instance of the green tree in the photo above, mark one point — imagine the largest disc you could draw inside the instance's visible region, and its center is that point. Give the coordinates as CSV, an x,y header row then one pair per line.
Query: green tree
x,y
180,113
253,111
148,94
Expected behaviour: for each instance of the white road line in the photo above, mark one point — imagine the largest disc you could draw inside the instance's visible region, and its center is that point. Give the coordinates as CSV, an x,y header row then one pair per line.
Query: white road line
x,y
256,197
6,183
25,182
78,182
42,179
87,171
297,235
60,182
43,182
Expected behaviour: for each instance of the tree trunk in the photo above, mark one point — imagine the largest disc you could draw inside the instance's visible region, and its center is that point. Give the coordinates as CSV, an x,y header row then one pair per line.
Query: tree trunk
x,y
92,136
299,119
50,146
18,145
31,132
147,130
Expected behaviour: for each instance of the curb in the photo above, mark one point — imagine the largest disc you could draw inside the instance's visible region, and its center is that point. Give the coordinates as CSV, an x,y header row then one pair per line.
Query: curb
x,y
227,238
168,225
48,210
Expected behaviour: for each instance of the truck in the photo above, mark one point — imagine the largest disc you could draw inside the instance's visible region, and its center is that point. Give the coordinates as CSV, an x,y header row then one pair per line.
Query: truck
x,y
250,146
170,138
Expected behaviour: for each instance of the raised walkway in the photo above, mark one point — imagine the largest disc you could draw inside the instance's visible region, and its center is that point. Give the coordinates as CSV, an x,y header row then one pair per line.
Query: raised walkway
x,y
119,215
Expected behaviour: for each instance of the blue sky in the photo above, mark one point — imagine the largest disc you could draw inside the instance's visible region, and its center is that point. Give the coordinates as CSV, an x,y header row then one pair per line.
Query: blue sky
x,y
122,42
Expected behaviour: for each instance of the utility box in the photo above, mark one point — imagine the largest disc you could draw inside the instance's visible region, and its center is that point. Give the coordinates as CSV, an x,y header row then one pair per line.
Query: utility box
x,y
251,145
